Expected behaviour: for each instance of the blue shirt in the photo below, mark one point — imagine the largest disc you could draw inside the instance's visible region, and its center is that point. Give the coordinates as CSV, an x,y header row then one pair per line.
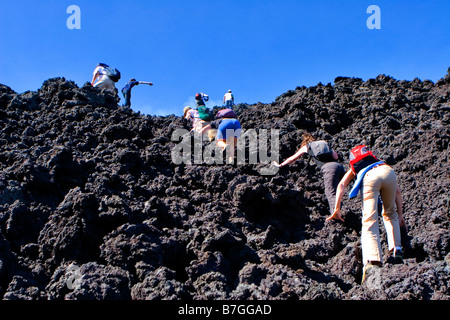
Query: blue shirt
x,y
129,85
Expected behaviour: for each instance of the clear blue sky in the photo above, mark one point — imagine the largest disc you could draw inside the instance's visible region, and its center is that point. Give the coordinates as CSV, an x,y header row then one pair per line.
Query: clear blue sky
x,y
258,48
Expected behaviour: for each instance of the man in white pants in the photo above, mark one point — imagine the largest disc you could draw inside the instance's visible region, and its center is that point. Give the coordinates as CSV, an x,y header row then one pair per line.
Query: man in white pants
x,y
101,80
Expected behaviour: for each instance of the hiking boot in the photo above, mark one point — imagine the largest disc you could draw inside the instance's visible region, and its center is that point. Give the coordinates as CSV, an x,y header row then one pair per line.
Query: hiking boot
x,y
396,256
369,269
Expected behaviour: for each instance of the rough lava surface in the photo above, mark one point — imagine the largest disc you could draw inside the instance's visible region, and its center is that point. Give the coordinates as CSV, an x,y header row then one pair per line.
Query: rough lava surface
x,y
92,205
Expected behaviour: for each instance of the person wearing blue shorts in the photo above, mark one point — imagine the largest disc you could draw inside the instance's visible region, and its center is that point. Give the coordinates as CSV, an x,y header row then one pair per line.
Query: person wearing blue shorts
x,y
228,131
228,128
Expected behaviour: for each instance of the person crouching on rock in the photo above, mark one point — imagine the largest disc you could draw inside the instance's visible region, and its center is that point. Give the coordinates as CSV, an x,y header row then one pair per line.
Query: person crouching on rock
x,y
326,159
101,79
228,131
374,178
198,125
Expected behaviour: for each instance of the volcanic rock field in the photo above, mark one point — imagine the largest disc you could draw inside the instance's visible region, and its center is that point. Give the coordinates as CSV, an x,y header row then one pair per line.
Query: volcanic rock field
x,y
92,205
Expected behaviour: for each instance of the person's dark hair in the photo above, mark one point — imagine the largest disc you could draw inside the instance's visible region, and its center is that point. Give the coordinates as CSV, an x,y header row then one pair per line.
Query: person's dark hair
x,y
133,79
307,138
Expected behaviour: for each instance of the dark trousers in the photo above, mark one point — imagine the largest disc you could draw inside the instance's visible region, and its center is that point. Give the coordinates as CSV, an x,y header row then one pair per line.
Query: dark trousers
x,y
127,97
332,172
229,104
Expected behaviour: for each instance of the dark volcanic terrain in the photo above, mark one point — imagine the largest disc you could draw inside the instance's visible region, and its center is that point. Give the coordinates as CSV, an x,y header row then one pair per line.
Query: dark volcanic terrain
x,y
93,207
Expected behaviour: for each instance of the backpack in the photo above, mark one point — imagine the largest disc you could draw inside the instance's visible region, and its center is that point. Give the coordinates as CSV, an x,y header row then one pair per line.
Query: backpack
x,y
319,149
358,154
226,113
112,73
321,152
205,113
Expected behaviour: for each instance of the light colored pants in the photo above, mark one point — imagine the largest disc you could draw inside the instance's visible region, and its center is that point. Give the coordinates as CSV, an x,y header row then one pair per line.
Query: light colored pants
x,y
105,83
382,181
199,125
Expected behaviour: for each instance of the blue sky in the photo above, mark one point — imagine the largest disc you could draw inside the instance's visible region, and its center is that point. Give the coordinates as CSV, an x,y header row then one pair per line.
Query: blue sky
x,y
257,48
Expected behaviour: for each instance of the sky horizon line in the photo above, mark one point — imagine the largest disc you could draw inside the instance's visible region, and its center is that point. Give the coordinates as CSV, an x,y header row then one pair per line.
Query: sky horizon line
x,y
257,48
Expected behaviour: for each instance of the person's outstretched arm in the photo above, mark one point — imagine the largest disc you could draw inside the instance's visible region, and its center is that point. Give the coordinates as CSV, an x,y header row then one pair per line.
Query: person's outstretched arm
x,y
292,158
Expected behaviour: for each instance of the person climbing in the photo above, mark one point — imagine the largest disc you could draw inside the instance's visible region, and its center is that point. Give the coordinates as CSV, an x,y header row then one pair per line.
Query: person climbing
x,y
205,113
200,99
199,126
126,91
327,161
105,77
374,178
228,100
193,116
229,130
190,114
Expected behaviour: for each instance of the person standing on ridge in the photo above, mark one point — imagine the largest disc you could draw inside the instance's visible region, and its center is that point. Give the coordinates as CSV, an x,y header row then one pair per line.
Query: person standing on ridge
x,y
374,178
126,91
228,100
326,159
104,77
